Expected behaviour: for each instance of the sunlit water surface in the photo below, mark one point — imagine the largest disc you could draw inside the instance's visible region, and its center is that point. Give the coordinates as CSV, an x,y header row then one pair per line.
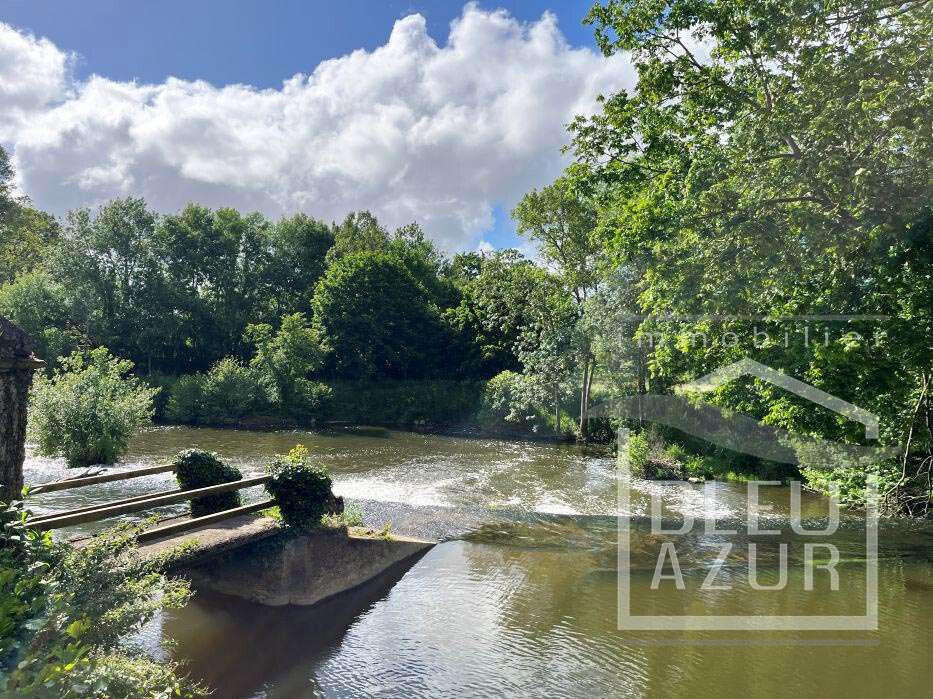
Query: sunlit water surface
x,y
521,597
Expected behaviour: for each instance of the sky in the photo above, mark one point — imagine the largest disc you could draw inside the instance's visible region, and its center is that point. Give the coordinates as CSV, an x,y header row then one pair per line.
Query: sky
x,y
433,111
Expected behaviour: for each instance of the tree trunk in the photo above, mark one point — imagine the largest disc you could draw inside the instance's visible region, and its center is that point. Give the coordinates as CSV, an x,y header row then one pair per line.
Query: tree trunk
x,y
585,396
557,408
14,395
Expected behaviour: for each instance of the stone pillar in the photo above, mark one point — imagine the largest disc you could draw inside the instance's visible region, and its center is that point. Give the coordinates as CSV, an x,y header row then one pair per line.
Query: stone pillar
x,y
17,364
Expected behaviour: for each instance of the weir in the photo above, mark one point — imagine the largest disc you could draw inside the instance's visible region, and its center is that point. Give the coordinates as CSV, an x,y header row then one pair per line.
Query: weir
x,y
242,553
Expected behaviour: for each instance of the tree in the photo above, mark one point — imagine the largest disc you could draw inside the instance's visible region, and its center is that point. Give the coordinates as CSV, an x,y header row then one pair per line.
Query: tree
x,y
360,231
561,218
772,161
25,232
298,247
495,308
375,320
47,311
89,408
112,277
284,362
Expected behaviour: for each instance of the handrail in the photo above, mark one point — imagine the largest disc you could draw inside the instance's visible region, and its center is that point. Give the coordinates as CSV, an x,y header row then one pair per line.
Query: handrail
x,y
137,498
195,522
118,507
69,483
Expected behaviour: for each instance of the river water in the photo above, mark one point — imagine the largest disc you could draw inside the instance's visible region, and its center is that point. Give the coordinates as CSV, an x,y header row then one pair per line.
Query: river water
x,y
521,596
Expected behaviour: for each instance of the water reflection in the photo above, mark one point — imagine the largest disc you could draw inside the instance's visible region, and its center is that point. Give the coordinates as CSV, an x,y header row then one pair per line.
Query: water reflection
x,y
481,619
521,597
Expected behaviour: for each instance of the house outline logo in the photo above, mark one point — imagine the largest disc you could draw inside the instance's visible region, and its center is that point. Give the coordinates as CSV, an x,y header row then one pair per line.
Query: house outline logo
x,y
658,406
749,367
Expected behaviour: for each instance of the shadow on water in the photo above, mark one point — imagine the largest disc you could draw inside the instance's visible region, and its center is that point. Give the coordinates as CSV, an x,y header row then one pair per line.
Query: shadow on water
x,y
235,646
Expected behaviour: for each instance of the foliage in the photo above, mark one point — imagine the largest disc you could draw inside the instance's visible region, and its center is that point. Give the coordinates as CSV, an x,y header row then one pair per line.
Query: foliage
x,y
302,489
500,297
25,232
175,293
772,162
375,319
229,392
352,516
74,611
89,408
41,306
284,361
223,396
185,400
509,405
639,451
276,382
24,564
196,468
648,457
561,218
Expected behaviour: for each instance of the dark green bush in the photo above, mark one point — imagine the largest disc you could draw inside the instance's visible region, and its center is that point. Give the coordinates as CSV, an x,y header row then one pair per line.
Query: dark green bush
x,y
225,395
195,468
302,489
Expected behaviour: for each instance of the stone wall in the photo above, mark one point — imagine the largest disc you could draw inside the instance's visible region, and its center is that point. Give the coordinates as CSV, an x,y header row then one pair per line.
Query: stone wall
x,y
17,365
306,568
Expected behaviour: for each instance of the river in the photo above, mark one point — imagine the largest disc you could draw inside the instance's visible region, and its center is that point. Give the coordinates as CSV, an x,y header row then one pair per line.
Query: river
x,y
520,598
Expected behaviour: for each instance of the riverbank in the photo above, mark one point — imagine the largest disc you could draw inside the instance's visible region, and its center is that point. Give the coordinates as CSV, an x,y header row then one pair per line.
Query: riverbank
x,y
451,407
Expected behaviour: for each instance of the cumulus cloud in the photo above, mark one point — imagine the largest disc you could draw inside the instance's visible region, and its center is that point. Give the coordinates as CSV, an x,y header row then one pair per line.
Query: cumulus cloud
x,y
33,74
411,130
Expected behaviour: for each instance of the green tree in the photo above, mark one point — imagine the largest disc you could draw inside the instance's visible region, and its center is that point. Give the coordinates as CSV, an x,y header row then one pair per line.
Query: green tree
x,y
24,231
46,310
561,218
773,161
495,308
88,409
298,248
375,320
284,362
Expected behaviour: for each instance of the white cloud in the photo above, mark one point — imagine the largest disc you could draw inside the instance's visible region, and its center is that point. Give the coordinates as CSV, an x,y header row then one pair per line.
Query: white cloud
x,y
33,74
410,130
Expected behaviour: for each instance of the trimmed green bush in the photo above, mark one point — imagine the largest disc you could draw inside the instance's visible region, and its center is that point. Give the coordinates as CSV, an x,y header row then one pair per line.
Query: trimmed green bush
x,y
302,489
196,468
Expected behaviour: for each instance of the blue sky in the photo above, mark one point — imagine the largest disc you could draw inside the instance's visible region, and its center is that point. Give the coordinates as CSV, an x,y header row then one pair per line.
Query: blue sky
x,y
257,42
85,144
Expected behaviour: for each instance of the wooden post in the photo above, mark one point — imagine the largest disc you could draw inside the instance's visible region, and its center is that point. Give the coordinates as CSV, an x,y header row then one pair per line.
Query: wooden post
x,y
17,365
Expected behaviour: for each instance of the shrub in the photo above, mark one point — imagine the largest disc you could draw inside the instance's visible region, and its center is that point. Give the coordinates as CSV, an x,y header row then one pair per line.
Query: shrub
x,y
231,391
650,458
700,467
195,468
302,489
88,410
638,452
68,615
185,400
351,517
507,400
226,394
